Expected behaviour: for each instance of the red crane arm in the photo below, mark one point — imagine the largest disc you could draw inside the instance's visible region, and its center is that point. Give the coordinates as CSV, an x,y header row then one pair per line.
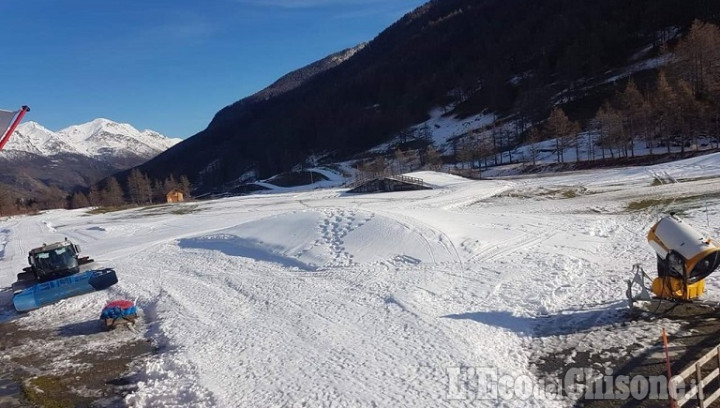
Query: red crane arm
x,y
12,127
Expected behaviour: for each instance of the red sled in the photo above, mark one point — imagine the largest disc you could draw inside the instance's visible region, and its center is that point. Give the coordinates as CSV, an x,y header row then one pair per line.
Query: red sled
x,y
118,312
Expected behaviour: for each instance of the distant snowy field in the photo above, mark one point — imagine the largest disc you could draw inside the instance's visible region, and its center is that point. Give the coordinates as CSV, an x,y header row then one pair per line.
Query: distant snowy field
x,y
323,298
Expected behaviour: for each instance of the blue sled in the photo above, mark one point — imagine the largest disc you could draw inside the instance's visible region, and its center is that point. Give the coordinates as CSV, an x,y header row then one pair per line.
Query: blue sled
x,y
45,293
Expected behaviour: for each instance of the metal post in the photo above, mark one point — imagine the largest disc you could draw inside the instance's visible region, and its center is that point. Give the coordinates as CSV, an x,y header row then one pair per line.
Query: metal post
x,y
667,365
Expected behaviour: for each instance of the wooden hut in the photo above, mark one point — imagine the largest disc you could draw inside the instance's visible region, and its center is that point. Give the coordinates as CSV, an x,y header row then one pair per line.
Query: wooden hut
x,y
175,196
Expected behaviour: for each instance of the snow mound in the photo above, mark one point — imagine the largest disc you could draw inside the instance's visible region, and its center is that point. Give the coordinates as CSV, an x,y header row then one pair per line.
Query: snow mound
x,y
327,238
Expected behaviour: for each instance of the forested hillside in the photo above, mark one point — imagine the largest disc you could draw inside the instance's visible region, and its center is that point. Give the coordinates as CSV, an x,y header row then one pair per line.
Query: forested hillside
x,y
510,56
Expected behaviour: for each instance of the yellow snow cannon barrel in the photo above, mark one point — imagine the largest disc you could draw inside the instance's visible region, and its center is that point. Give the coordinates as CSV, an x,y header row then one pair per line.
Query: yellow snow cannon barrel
x,y
684,258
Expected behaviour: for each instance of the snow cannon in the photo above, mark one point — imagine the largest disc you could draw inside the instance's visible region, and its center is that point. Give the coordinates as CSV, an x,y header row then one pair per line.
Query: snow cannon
x,y
684,259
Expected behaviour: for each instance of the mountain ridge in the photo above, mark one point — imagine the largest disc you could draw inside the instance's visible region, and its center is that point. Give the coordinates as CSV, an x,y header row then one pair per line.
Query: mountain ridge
x,y
36,158
507,57
91,139
297,77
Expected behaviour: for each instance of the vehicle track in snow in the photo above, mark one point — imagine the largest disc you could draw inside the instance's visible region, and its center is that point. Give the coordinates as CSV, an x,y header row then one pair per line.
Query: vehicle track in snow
x,y
4,240
319,328
523,242
17,246
429,235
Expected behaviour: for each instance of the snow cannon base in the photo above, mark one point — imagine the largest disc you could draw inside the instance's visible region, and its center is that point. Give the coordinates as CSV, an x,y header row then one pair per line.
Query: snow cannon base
x,y
666,299
669,287
45,293
118,312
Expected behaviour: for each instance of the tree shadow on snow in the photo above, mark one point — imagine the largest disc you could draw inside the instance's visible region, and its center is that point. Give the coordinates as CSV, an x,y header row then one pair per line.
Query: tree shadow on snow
x,y
563,323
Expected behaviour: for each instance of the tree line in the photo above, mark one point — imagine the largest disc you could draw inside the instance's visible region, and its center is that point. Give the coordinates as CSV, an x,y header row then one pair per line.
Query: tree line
x,y
138,190
677,109
683,105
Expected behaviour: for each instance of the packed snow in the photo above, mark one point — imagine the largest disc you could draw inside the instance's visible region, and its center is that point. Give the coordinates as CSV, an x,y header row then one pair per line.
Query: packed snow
x,y
325,298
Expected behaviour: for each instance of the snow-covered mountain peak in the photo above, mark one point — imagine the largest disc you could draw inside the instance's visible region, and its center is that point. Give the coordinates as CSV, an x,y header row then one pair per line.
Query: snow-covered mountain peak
x,y
99,138
34,138
97,126
33,125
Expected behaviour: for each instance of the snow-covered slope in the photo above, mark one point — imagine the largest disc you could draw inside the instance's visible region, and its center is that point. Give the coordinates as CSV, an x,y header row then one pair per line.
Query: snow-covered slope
x,y
98,139
324,298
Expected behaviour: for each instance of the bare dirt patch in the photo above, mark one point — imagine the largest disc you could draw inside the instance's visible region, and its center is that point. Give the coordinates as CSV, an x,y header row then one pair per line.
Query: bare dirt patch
x,y
74,365
690,336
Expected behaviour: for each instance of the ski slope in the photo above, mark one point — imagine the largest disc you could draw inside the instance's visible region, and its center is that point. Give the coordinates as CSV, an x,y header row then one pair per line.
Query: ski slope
x,y
324,298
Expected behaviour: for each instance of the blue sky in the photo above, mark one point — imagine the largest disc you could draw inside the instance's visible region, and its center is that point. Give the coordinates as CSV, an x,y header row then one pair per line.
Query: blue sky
x,y
167,65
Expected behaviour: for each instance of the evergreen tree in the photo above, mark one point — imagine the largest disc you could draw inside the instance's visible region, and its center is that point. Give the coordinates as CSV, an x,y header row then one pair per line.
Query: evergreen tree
x,y
690,113
433,158
534,138
665,109
560,128
95,197
79,200
112,194
185,186
609,126
158,191
465,152
147,189
169,184
697,59
53,197
632,105
136,188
